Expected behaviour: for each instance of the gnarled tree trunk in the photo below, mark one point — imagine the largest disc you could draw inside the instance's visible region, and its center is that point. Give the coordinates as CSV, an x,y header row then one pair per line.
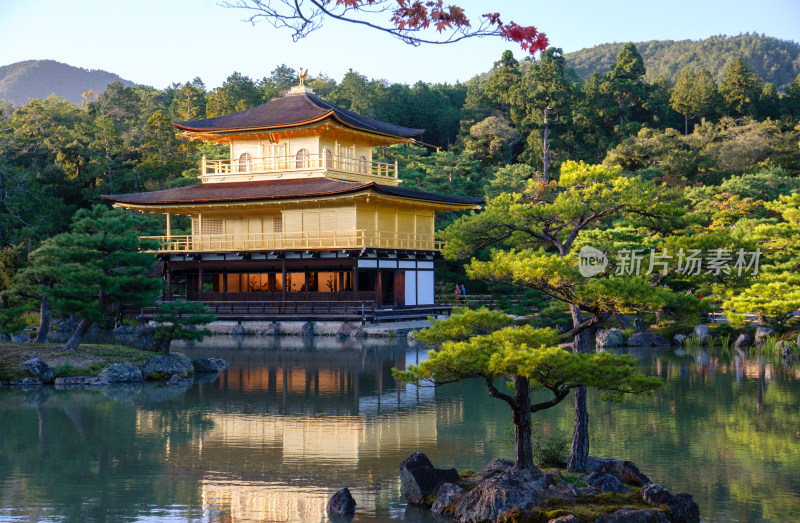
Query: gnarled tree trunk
x,y
579,451
77,337
44,320
522,423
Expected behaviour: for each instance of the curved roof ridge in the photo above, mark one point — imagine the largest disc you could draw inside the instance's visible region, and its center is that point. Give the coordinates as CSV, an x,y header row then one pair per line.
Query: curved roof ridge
x,y
291,110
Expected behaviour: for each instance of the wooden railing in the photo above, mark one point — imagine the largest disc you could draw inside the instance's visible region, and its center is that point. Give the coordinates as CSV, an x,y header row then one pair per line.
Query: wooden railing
x,y
282,241
298,163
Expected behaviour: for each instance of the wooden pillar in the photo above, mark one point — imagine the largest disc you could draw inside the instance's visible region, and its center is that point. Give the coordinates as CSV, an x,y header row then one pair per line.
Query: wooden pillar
x,y
200,231
378,287
355,281
283,275
169,228
200,281
224,283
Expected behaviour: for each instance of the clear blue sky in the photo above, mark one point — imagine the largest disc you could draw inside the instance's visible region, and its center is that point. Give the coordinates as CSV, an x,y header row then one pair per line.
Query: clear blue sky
x,y
158,42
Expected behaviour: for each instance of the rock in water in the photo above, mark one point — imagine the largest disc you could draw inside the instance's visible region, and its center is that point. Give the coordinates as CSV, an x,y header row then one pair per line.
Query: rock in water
x,y
625,471
66,327
495,497
420,478
702,333
40,370
273,329
144,338
446,496
609,338
348,330
341,503
679,339
205,365
646,339
123,330
629,515
163,367
177,381
307,329
682,507
762,333
605,482
222,364
238,330
120,373
742,342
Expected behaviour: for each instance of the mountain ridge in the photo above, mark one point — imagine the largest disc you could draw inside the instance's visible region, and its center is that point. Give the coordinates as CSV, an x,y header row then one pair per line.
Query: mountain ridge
x,y
40,78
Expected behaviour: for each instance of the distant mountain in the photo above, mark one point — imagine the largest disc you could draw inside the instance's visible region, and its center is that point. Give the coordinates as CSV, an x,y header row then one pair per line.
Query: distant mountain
x,y
41,78
776,61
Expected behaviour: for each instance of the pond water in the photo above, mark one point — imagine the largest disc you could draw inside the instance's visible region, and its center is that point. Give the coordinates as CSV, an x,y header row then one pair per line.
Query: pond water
x,y
292,420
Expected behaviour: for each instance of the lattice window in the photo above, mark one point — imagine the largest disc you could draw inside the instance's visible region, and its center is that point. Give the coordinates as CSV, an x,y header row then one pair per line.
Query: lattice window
x,y
277,224
210,226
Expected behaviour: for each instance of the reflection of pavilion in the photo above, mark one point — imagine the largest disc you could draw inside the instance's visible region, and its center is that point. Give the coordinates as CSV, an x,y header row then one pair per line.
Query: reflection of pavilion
x,y
303,424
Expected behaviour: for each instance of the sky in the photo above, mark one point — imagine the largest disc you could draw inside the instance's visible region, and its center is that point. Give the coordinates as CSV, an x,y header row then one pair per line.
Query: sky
x,y
160,42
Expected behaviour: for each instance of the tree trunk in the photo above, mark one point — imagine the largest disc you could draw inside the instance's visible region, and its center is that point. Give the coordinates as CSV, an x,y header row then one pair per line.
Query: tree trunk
x,y
579,451
44,320
686,124
546,148
522,423
626,324
77,337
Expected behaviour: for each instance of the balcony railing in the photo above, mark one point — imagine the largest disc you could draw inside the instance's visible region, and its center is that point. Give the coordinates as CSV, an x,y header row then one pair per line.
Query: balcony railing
x,y
348,239
298,163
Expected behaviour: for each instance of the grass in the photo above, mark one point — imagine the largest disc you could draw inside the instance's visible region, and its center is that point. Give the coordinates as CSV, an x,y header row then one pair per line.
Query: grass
x,y
86,360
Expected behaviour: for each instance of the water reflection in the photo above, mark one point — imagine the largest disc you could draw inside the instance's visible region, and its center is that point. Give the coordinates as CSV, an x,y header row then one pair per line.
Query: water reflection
x,y
290,423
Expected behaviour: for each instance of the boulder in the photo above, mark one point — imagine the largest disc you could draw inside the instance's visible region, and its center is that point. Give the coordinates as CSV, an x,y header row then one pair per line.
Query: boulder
x,y
679,339
348,330
563,491
307,329
341,504
123,330
625,471
609,338
20,338
629,515
238,330
446,497
798,340
120,373
163,367
40,369
144,338
639,325
66,327
177,381
646,339
420,478
273,329
682,507
701,333
222,364
762,333
605,482
74,382
501,494
26,382
496,466
789,350
205,365
742,342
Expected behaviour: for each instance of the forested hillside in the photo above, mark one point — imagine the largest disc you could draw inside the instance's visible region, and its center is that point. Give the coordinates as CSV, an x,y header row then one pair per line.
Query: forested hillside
x,y
774,61
41,78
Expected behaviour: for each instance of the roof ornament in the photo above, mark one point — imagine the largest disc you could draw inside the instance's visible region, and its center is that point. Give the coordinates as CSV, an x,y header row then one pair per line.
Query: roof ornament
x,y
302,87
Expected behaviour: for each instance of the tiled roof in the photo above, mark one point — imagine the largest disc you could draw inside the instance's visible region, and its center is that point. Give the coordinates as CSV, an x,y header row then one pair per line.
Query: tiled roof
x,y
294,109
276,190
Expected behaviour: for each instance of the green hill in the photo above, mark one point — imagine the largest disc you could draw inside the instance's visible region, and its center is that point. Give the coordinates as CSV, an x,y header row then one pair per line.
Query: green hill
x,y
41,78
776,61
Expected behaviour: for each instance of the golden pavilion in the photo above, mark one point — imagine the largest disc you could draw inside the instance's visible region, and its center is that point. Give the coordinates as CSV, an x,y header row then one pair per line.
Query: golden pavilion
x,y
299,220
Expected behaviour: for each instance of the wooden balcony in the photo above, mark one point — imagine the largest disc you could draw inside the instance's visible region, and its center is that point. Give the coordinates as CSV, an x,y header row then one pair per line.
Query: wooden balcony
x,y
285,167
286,241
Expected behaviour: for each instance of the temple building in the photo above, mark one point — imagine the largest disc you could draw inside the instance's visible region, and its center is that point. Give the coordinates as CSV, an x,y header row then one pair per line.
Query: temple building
x,y
299,219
